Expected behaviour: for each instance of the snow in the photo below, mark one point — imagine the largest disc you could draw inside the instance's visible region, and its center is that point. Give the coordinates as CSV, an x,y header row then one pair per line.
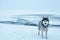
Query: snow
x,y
22,32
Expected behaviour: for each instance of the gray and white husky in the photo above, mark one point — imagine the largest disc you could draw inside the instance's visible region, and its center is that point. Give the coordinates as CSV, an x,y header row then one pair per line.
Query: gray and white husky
x,y
43,26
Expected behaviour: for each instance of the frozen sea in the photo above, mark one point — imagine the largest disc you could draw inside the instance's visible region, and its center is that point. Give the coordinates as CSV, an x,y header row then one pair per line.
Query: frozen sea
x,y
23,32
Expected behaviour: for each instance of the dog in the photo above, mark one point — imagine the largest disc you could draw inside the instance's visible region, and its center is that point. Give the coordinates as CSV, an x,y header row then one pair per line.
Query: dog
x,y
43,26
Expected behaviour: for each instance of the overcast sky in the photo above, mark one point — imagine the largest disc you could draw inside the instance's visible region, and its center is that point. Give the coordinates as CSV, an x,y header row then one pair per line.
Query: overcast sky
x,y
29,6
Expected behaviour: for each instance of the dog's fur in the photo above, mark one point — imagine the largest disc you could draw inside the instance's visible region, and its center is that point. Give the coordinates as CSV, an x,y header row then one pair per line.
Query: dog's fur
x,y
43,26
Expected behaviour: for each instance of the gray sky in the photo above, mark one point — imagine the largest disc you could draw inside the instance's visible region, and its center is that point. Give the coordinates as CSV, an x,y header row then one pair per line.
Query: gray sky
x,y
30,4
15,7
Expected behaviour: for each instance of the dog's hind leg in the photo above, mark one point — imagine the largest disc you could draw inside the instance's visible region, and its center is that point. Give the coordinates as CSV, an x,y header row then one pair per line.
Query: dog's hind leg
x,y
38,32
42,33
39,28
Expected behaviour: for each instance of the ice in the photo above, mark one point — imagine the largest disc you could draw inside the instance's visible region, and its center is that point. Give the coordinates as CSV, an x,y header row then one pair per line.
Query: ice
x,y
23,32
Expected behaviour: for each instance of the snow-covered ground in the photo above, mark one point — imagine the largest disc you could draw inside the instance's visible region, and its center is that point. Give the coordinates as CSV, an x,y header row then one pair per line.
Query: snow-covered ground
x,y
22,32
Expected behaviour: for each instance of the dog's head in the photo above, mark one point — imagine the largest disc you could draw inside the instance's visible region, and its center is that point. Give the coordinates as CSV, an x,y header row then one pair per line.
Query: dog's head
x,y
45,21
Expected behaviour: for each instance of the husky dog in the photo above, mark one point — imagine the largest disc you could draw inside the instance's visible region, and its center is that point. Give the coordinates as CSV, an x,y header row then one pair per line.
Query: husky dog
x,y
43,26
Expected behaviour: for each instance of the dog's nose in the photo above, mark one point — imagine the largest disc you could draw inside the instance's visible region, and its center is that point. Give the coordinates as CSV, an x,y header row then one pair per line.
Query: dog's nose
x,y
45,23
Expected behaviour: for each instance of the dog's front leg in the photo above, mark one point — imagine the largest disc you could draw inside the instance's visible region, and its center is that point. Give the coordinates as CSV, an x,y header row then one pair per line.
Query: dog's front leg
x,y
46,33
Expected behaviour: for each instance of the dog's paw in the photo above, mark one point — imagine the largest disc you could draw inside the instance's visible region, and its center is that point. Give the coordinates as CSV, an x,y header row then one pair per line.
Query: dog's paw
x,y
38,33
46,38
